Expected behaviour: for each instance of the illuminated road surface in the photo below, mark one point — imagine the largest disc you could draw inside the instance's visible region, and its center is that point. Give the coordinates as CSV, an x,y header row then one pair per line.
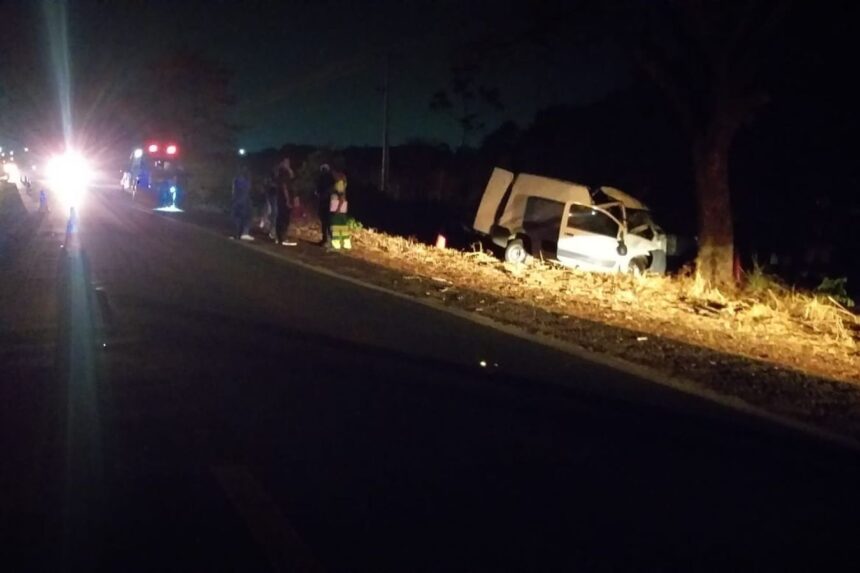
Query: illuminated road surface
x,y
171,400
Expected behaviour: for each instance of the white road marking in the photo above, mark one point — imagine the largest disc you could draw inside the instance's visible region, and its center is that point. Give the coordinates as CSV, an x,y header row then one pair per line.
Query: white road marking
x,y
269,527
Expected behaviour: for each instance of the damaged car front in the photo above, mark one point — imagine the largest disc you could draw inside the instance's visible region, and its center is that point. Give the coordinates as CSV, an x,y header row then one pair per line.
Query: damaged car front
x,y
615,232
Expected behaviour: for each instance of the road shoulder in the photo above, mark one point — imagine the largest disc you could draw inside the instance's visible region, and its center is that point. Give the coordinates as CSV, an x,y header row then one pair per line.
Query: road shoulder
x,y
827,409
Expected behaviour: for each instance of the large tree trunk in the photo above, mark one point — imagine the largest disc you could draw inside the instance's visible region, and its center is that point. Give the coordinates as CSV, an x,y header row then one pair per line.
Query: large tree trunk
x,y
715,260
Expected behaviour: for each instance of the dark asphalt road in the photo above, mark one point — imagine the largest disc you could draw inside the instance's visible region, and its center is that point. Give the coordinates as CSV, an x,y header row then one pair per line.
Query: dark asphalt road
x,y
173,401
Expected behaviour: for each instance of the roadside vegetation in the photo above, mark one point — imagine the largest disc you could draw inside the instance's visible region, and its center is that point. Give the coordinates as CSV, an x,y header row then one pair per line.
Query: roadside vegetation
x,y
792,352
763,320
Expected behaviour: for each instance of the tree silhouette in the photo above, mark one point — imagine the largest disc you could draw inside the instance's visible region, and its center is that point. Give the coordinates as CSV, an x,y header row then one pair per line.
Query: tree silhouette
x,y
465,99
24,95
186,96
707,56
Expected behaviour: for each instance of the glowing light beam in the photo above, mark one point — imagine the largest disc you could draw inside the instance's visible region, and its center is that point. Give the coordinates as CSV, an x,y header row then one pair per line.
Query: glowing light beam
x,y
58,40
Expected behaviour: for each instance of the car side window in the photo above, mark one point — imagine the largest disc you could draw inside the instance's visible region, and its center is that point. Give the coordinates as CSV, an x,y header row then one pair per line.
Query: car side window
x,y
592,221
542,213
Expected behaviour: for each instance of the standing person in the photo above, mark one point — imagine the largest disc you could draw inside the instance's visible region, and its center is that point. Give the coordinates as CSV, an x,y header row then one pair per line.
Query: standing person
x,y
282,221
270,217
338,207
71,227
241,205
324,188
167,192
284,171
266,218
284,178
173,190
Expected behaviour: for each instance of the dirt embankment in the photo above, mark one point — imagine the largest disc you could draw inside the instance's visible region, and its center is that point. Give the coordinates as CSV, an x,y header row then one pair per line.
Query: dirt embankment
x,y
792,353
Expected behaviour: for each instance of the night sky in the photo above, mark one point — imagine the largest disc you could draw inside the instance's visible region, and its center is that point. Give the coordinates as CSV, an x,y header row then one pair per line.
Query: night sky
x,y
311,72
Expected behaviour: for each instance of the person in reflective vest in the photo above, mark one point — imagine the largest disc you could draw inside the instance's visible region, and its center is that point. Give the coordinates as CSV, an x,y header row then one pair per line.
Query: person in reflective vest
x,y
338,207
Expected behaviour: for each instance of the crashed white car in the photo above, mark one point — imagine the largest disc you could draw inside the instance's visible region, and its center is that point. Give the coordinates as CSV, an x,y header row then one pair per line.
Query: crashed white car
x,y
596,229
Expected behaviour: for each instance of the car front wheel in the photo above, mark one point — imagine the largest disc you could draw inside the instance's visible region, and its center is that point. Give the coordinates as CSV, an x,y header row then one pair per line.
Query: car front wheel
x,y
637,266
515,252
658,262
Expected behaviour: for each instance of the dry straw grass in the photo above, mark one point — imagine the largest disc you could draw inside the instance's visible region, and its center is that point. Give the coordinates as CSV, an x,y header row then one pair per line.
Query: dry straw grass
x,y
785,327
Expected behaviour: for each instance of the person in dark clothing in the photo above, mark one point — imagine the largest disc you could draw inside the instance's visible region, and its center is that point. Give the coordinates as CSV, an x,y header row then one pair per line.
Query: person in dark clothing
x,y
241,205
282,218
284,172
270,220
324,188
283,182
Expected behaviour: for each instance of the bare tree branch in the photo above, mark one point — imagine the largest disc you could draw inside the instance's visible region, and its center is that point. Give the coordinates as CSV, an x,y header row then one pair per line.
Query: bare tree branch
x,y
671,87
749,53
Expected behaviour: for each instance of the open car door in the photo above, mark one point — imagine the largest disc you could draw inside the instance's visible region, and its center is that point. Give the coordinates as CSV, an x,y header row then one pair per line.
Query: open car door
x,y
589,238
491,201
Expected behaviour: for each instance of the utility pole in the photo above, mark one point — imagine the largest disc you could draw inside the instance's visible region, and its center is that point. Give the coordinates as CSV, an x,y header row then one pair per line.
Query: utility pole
x,y
383,176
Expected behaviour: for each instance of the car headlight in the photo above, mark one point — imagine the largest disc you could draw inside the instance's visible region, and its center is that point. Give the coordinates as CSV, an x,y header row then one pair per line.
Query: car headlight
x,y
11,172
69,175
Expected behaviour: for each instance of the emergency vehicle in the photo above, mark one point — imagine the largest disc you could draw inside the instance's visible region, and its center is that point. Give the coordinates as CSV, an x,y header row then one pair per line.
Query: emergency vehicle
x,y
155,174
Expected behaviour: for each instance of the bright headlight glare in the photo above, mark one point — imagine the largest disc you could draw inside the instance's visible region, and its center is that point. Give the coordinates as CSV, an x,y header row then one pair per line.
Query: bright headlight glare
x,y
69,175
11,170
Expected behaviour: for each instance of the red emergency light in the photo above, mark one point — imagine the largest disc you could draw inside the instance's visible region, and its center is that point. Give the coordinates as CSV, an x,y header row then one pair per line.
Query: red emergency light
x,y
171,150
153,148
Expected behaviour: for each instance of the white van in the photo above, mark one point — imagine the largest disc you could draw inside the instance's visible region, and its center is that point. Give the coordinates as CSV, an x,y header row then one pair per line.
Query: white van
x,y
597,229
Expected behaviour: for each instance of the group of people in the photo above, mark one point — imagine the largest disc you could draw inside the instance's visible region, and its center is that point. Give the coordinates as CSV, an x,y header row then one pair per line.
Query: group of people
x,y
276,217
330,192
